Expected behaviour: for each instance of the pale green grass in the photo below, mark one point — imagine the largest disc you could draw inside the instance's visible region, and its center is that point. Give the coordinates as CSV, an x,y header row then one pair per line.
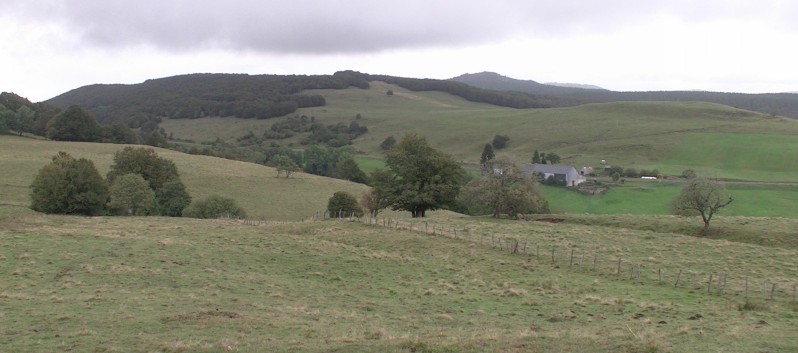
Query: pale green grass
x,y
369,164
127,284
256,188
737,156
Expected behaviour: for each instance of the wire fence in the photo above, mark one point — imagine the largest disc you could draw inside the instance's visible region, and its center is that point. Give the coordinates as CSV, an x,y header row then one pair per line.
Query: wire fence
x,y
720,283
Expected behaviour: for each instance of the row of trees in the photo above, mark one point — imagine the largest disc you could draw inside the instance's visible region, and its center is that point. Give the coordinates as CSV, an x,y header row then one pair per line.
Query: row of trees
x,y
420,178
19,116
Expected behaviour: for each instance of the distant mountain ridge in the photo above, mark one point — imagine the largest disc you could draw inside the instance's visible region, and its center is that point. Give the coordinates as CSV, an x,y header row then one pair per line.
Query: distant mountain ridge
x,y
573,85
784,104
266,96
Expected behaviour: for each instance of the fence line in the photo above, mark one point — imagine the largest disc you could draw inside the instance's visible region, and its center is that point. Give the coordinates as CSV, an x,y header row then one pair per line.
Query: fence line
x,y
718,283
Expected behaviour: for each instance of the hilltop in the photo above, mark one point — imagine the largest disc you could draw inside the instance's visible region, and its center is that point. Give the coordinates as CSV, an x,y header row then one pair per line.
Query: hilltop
x,y
784,104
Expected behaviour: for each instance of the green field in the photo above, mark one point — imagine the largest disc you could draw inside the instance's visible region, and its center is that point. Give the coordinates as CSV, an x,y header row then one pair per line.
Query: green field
x,y
650,197
714,139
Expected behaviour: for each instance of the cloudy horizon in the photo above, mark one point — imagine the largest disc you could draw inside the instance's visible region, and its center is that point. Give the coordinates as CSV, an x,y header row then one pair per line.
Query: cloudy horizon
x,y
731,46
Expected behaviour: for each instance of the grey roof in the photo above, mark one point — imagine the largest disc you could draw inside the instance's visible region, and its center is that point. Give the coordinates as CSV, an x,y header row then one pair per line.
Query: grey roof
x,y
548,168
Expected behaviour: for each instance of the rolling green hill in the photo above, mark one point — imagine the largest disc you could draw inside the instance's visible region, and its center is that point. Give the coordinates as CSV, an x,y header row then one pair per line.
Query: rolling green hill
x,y
713,139
256,188
784,104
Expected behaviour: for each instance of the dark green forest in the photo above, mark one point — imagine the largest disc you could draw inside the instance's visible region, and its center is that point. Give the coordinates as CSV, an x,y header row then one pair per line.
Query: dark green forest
x,y
253,96
202,95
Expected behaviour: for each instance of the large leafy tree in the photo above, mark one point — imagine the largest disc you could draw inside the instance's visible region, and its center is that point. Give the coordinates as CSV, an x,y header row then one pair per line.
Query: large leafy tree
x,y
506,190
704,196
158,172
173,198
131,196
553,158
74,124
422,178
69,186
155,170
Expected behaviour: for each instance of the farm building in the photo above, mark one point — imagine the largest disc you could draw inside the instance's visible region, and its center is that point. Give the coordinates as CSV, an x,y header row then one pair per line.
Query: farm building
x,y
565,173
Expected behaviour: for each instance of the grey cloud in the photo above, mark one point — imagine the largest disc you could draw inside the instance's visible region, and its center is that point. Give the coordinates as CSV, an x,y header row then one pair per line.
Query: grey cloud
x,y
355,26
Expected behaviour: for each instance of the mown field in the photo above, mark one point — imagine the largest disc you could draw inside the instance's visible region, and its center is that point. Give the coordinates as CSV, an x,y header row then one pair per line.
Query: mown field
x,y
128,284
256,188
713,139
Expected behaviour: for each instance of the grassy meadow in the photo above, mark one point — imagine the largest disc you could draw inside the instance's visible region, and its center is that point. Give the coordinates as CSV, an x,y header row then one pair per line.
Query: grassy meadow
x,y
256,188
130,284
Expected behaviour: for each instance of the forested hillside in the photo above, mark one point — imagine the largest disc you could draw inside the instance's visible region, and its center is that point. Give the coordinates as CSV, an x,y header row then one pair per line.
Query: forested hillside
x,y
784,104
252,96
201,95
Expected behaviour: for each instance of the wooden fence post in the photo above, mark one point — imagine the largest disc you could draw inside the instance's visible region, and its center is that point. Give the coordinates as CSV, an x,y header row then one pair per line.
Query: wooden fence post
x,y
746,287
773,290
637,276
553,251
571,262
619,267
679,275
765,289
595,256
709,284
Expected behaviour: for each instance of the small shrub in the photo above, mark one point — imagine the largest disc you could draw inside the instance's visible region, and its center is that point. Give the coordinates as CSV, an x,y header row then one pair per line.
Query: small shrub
x,y
753,306
214,206
343,203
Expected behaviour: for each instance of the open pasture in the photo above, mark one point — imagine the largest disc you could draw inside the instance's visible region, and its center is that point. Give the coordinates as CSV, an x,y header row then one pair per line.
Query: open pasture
x,y
128,284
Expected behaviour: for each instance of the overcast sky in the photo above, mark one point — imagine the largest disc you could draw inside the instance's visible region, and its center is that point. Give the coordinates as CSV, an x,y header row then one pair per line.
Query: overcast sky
x,y
52,46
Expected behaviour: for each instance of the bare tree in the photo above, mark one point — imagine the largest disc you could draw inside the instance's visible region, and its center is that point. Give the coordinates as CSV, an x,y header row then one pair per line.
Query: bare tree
x,y
704,196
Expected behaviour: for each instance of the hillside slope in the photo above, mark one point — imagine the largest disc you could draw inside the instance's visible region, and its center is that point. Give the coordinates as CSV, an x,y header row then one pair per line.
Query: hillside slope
x,y
784,104
670,136
256,188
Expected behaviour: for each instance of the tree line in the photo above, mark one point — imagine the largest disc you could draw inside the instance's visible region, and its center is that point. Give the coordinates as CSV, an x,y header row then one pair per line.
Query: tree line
x,y
140,183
